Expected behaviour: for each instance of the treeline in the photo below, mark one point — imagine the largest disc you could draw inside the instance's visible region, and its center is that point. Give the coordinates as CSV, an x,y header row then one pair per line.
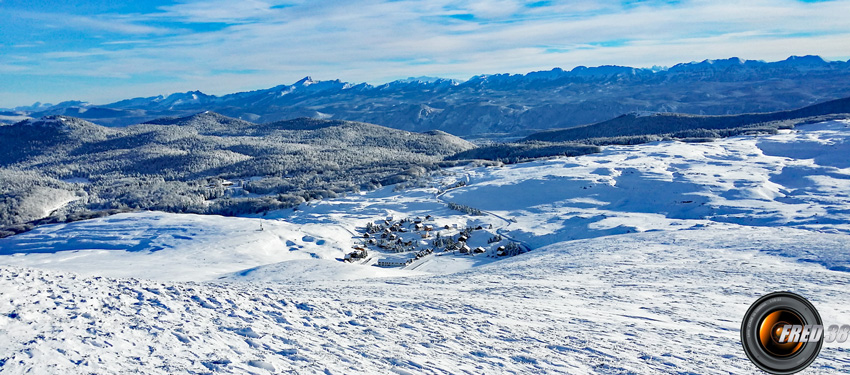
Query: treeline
x,y
674,124
536,146
522,151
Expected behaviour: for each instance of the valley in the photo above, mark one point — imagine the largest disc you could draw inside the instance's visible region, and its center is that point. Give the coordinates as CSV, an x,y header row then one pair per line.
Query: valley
x,y
623,244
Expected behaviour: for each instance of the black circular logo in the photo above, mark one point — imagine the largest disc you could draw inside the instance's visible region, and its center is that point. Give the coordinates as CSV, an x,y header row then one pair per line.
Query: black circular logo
x,y
782,333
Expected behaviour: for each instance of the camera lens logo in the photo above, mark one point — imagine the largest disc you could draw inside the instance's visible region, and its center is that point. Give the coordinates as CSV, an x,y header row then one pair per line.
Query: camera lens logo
x,y
782,333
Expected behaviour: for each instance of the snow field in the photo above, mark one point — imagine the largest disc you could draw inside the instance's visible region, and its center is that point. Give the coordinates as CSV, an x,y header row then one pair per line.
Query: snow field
x,y
659,302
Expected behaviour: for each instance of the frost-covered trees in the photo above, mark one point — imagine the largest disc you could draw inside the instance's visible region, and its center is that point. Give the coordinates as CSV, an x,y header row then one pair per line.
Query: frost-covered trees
x,y
465,209
205,163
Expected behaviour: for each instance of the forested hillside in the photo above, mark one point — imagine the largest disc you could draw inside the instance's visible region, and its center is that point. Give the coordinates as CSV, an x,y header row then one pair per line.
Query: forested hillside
x,y
205,163
676,125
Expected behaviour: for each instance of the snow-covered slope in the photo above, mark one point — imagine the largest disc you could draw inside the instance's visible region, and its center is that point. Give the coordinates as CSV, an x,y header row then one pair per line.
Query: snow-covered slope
x,y
162,246
660,302
800,178
645,259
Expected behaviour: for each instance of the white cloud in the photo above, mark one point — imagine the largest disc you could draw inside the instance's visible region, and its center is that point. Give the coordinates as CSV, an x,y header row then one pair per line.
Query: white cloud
x,y
377,40
218,11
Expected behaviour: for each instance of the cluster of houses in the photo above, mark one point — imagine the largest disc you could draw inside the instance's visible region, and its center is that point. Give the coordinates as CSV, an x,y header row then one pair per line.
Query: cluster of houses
x,y
421,237
388,234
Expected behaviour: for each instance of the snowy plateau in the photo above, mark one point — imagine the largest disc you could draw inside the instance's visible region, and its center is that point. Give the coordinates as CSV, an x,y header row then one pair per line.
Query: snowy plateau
x,y
643,259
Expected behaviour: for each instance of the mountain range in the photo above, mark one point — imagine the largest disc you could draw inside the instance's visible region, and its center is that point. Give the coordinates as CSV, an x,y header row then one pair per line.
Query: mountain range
x,y
516,104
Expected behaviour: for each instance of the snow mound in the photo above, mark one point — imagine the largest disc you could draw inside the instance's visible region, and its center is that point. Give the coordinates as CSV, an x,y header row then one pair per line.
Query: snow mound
x,y
164,246
313,270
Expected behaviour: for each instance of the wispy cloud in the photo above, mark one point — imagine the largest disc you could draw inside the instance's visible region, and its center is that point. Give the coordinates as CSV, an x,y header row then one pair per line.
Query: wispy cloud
x,y
109,23
188,45
223,11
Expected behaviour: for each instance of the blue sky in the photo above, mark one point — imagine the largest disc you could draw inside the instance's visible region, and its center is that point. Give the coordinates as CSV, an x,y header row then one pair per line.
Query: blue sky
x,y
102,51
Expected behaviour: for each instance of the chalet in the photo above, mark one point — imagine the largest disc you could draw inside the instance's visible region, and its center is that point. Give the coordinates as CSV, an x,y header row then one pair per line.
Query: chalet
x,y
358,253
429,228
417,220
426,235
464,249
428,217
462,238
501,251
418,227
479,250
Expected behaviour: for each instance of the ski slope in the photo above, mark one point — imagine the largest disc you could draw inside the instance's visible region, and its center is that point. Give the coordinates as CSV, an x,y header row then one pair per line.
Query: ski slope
x,y
645,259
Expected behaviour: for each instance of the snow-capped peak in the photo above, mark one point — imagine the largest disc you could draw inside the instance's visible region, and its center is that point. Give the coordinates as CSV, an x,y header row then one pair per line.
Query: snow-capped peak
x,y
306,81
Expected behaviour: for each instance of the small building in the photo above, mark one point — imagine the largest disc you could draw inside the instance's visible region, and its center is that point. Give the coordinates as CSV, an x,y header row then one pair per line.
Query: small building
x,y
501,251
479,250
464,249
394,262
462,238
